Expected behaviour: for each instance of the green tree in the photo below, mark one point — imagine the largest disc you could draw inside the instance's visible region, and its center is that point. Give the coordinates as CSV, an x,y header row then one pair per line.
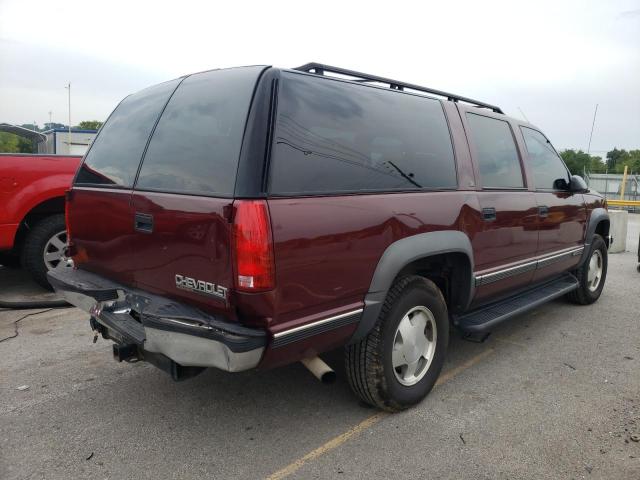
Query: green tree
x,y
578,162
51,126
10,143
31,126
90,124
614,157
25,145
630,159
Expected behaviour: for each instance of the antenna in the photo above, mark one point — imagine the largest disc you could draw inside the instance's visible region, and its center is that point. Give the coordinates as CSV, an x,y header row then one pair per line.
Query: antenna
x,y
525,117
592,126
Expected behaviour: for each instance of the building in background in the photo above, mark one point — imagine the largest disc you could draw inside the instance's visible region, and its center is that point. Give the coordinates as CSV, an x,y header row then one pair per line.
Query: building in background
x,y
57,141
610,185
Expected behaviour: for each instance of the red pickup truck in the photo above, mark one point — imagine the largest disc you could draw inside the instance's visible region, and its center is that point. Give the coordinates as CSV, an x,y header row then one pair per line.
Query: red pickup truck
x,y
32,226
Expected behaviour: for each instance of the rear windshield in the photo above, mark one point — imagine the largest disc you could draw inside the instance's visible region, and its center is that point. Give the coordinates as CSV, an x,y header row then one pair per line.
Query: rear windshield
x,y
333,137
196,144
115,154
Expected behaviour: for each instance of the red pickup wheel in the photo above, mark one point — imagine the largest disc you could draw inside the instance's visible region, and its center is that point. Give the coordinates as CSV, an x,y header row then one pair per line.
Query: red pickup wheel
x,y
44,247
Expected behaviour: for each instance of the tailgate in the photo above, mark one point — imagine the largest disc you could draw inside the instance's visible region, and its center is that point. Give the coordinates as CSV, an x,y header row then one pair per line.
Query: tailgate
x,y
187,255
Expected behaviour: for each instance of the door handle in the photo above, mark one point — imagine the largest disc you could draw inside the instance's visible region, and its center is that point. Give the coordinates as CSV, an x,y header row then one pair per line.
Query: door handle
x,y
543,211
143,223
489,214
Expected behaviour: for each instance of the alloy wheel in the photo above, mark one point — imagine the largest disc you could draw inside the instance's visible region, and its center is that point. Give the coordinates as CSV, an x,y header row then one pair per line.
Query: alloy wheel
x,y
594,274
54,250
414,345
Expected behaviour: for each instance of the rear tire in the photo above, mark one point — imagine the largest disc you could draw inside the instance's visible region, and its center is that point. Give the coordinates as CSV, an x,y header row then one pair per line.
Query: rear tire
x,y
592,274
43,240
397,364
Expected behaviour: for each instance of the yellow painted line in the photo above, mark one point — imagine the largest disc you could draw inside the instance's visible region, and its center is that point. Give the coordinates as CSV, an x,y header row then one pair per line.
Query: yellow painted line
x,y
327,447
366,423
454,372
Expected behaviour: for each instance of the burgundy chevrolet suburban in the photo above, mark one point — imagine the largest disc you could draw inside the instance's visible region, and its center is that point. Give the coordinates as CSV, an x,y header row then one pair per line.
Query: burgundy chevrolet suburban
x,y
256,216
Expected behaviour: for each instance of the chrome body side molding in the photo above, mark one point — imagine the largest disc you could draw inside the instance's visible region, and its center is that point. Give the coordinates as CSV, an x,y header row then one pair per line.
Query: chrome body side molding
x,y
527,266
310,329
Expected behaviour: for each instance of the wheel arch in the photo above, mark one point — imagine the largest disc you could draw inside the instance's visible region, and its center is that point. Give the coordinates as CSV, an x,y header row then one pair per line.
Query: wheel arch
x,y
599,223
445,257
50,206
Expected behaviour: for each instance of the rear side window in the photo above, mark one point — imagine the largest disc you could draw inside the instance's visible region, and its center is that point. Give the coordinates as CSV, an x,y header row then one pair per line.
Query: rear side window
x,y
496,152
196,145
545,163
333,137
116,152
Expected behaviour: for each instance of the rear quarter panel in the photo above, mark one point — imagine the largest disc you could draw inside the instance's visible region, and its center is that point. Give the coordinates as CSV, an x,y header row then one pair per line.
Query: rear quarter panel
x,y
327,248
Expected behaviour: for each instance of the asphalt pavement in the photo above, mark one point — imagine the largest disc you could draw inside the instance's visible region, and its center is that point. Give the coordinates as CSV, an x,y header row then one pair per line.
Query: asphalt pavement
x,y
554,394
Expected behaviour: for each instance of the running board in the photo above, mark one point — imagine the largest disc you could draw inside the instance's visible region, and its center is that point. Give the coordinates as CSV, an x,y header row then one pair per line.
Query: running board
x,y
485,318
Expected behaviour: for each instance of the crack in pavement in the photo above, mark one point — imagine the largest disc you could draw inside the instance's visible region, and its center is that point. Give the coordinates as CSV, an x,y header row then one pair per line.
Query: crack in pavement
x,y
16,322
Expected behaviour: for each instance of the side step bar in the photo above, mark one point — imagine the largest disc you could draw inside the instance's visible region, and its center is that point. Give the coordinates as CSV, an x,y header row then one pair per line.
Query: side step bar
x,y
485,318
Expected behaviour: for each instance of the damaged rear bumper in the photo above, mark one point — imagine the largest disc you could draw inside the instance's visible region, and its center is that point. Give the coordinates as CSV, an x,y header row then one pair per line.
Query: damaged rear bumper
x,y
160,327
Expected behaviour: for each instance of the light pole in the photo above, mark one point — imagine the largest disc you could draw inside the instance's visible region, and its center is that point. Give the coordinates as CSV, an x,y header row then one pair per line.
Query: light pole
x,y
50,112
592,127
69,134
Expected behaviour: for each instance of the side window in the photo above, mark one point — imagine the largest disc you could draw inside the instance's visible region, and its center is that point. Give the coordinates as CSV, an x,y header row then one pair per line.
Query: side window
x,y
496,152
545,163
116,152
196,146
333,137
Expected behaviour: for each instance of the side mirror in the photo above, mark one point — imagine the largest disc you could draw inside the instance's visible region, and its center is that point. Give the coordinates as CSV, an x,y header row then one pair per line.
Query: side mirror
x,y
577,184
561,184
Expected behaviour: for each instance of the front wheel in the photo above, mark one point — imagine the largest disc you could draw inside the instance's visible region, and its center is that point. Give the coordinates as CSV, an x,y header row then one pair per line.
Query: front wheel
x,y
591,274
398,362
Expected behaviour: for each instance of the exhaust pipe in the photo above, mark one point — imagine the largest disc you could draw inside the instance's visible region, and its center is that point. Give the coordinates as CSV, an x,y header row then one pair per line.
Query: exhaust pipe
x,y
320,370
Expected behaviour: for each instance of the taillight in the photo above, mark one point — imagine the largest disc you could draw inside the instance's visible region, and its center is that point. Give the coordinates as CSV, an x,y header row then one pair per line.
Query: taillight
x,y
253,244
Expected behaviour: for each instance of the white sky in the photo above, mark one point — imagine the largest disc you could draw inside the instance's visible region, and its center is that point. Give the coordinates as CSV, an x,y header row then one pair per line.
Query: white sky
x,y
553,59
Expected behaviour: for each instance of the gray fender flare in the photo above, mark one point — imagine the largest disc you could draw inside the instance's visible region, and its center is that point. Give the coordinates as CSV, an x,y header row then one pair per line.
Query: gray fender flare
x,y
400,254
597,215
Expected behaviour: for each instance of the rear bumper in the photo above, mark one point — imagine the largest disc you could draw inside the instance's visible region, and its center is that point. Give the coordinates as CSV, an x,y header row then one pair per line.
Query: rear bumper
x,y
184,334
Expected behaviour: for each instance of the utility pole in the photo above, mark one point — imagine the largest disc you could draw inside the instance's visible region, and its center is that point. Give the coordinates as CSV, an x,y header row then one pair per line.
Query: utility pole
x,y
592,126
69,134
50,122
624,183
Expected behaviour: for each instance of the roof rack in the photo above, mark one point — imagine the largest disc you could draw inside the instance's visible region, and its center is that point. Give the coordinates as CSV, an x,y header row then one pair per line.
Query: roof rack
x,y
321,69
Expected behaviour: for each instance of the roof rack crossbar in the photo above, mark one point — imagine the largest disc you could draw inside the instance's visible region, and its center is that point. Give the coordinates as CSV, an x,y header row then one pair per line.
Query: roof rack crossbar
x,y
321,69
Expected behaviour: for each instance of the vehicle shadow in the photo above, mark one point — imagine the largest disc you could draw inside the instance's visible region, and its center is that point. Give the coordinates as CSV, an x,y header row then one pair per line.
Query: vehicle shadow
x,y
16,285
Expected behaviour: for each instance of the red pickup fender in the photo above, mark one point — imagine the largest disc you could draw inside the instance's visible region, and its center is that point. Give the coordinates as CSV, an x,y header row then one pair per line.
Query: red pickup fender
x,y
28,181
